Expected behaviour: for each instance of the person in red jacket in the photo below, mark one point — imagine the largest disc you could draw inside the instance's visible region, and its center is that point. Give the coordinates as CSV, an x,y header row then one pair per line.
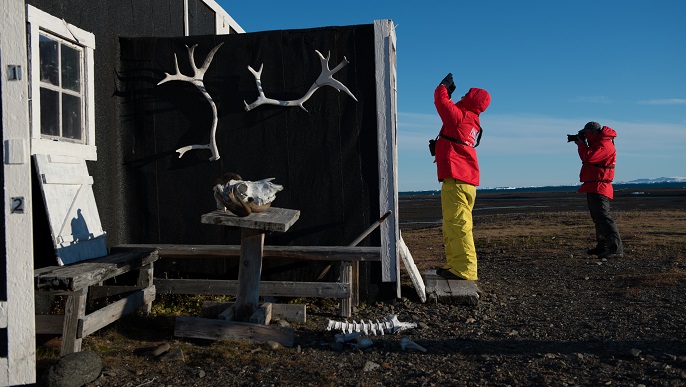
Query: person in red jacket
x,y
598,157
458,172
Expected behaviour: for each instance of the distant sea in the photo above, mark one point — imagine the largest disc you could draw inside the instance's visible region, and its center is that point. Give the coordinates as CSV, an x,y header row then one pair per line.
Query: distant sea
x,y
563,188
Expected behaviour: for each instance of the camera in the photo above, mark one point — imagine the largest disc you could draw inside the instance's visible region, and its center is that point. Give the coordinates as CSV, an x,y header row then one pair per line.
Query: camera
x,y
576,137
432,146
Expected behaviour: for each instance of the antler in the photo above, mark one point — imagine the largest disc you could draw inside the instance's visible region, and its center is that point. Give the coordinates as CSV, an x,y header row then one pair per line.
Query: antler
x,y
198,81
325,78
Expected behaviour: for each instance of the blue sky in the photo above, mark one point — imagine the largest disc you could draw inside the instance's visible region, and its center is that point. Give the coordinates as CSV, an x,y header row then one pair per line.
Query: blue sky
x,y
550,66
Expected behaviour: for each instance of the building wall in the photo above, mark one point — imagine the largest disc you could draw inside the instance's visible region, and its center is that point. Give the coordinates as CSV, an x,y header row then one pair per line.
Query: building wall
x,y
17,334
109,21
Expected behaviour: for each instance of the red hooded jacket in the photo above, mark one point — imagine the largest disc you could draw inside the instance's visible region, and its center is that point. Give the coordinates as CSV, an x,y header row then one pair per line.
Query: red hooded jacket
x,y
460,122
598,162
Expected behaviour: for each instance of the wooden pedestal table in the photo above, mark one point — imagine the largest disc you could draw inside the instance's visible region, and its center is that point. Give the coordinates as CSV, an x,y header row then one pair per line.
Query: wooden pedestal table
x,y
243,320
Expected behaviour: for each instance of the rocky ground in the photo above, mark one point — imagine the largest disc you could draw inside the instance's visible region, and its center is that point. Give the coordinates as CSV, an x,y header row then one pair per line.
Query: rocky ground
x,y
548,314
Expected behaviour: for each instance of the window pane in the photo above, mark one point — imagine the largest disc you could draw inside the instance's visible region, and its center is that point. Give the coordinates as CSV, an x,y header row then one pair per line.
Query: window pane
x,y
71,69
71,117
49,112
49,68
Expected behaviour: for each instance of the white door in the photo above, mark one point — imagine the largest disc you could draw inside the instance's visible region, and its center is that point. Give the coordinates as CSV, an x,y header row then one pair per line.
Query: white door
x,y
70,204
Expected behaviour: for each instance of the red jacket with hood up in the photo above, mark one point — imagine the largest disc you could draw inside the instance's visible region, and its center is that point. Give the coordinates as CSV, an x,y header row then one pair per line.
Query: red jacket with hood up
x,y
460,122
598,159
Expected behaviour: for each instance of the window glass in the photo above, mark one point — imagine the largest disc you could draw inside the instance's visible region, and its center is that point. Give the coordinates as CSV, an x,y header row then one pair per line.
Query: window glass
x,y
71,68
49,112
61,94
49,68
71,117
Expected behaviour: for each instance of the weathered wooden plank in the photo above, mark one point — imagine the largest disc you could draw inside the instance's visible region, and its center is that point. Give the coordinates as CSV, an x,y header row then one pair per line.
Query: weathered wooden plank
x,y
267,288
248,292
84,274
346,277
288,312
213,329
97,292
315,253
263,314
145,279
49,324
387,122
273,219
227,314
451,291
110,313
412,270
74,310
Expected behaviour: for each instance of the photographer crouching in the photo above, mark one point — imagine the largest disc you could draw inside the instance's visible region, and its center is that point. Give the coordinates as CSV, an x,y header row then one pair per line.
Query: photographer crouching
x,y
598,156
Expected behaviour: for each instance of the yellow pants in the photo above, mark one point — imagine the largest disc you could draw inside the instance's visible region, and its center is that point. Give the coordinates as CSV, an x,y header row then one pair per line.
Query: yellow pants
x,y
457,202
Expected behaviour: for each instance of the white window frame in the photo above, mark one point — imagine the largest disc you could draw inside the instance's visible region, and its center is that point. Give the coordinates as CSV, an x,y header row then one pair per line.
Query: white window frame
x,y
39,21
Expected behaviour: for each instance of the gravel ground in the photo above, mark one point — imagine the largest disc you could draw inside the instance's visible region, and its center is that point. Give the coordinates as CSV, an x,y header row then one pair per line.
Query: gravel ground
x,y
548,315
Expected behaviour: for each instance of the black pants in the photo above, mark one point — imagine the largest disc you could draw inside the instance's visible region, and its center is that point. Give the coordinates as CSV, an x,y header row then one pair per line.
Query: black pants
x,y
607,235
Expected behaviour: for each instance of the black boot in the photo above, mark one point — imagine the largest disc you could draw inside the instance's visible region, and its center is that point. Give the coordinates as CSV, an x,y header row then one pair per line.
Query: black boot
x,y
608,253
596,251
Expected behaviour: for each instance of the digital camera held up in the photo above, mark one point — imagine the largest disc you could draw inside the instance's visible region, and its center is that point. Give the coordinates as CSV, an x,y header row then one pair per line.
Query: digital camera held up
x,y
576,137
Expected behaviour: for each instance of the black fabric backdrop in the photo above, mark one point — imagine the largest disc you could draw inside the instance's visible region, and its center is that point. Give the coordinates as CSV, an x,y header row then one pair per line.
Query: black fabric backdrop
x,y
326,158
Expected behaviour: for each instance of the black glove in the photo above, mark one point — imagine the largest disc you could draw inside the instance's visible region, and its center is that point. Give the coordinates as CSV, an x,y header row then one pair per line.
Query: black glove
x,y
451,88
449,83
582,135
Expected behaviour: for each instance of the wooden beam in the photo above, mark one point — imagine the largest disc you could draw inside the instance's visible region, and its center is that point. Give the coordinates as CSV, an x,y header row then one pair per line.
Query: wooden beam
x,y
87,273
49,324
273,219
412,270
387,128
267,288
213,329
248,292
346,278
288,312
314,253
110,313
74,310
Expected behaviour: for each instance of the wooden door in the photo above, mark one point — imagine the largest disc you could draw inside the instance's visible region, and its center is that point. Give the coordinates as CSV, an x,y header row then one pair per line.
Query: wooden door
x,y
70,204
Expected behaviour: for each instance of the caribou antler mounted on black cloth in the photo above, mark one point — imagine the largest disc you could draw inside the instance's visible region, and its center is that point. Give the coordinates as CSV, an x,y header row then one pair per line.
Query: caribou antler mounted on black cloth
x,y
324,79
198,81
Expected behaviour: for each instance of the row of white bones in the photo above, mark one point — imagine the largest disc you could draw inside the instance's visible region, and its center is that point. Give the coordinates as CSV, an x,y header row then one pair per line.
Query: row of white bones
x,y
325,78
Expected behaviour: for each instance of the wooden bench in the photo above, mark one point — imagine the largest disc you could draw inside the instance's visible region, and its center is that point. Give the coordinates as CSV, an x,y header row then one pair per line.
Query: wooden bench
x,y
76,281
345,289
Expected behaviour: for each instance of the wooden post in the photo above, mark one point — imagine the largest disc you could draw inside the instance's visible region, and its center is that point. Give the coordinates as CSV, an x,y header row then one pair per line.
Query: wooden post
x,y
145,280
248,293
74,310
346,278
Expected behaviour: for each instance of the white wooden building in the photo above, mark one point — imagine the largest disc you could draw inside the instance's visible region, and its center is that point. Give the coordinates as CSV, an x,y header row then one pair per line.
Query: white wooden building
x,y
22,24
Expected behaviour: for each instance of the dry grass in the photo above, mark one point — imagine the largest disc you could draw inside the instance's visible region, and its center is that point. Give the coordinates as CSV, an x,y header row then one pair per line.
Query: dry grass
x,y
658,233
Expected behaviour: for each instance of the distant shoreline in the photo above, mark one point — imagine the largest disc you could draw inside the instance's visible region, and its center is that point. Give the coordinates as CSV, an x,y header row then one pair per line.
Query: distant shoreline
x,y
418,210
560,188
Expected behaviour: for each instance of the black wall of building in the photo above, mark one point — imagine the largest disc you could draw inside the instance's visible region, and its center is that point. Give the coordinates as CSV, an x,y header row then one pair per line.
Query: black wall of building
x,y
109,20
201,19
